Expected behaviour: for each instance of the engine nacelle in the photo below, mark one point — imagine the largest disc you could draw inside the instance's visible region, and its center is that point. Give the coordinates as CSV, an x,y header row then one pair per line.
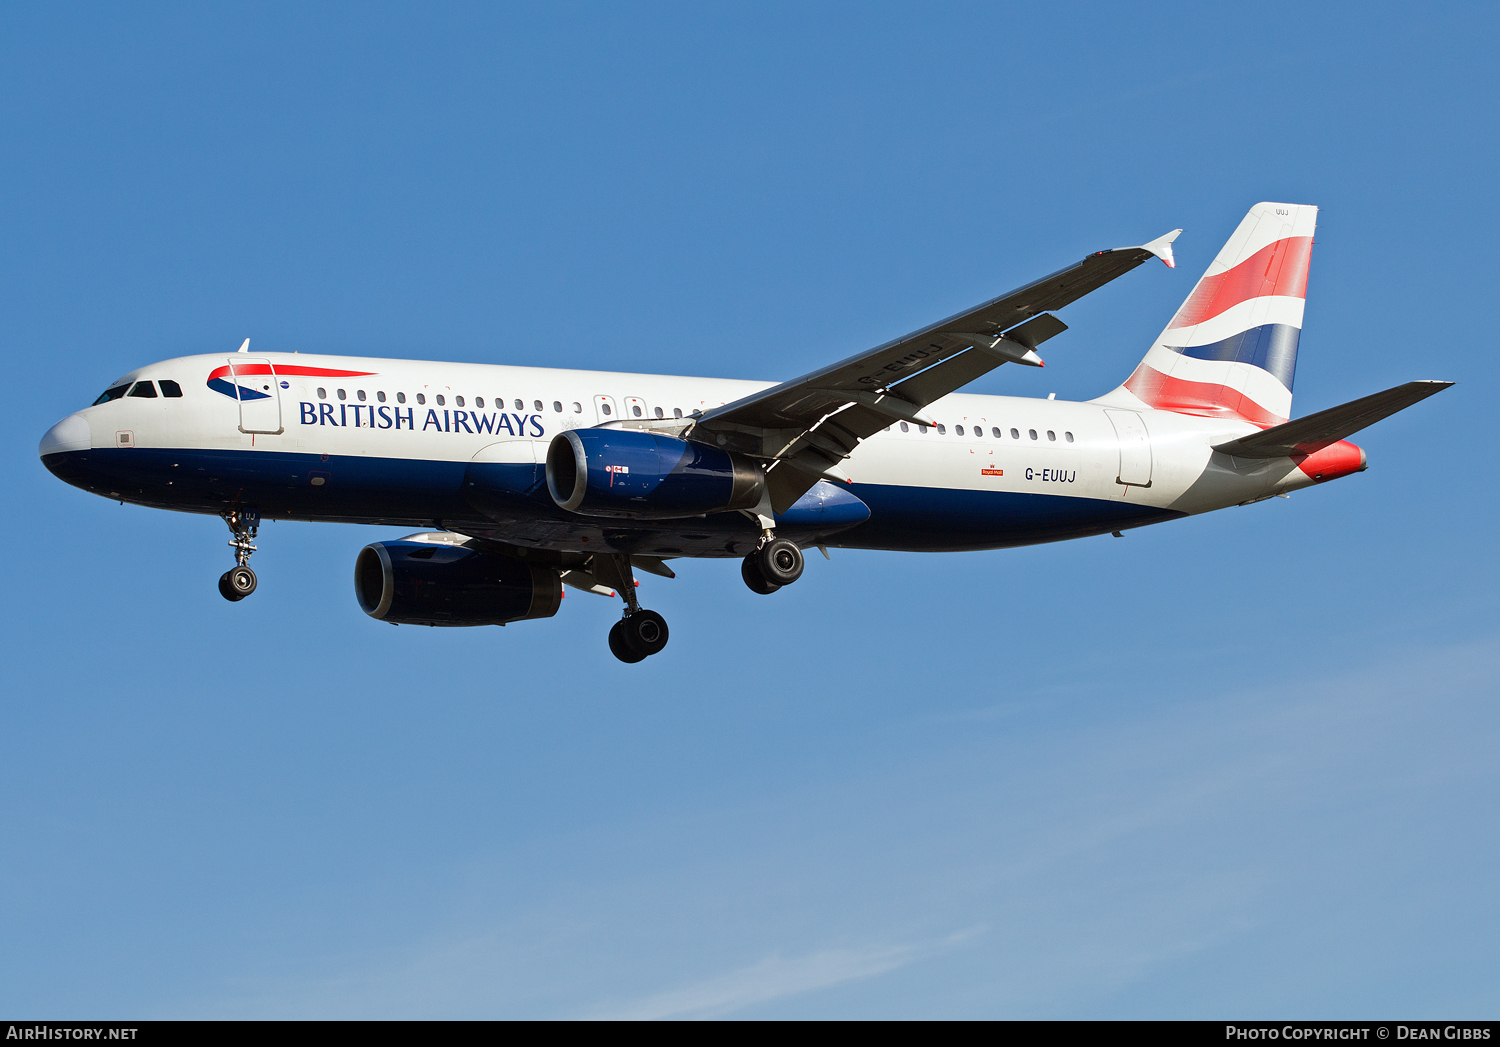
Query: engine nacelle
x,y
431,583
641,475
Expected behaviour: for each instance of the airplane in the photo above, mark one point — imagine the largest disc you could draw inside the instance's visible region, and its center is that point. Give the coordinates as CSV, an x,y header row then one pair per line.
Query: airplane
x,y
531,479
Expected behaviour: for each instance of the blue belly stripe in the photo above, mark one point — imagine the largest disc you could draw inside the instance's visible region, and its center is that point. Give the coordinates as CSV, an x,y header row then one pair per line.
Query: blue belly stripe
x,y
509,503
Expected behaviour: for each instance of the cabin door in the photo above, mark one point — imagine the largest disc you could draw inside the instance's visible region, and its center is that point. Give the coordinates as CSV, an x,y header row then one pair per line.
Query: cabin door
x,y
1135,448
256,387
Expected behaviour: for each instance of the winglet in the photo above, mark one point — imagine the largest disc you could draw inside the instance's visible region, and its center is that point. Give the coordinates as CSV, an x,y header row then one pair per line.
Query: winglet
x,y
1162,247
246,347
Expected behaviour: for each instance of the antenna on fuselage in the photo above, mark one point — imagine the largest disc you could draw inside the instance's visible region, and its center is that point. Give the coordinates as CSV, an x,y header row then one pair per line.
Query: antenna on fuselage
x,y
246,347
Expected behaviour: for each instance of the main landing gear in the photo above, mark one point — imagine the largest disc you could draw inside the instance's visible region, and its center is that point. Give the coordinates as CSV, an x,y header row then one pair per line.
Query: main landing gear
x,y
239,581
640,633
775,562
638,636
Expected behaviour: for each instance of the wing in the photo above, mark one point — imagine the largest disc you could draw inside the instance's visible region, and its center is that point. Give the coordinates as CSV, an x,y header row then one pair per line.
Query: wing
x,y
809,425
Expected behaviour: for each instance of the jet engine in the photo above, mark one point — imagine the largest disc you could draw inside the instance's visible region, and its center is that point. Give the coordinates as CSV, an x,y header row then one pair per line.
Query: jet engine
x,y
431,583
642,475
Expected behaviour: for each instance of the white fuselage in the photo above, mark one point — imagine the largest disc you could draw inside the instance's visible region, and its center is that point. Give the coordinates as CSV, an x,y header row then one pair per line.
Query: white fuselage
x,y
350,438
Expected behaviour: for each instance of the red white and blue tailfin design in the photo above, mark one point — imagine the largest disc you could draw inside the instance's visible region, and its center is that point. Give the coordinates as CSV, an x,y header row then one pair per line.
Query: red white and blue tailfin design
x,y
1231,350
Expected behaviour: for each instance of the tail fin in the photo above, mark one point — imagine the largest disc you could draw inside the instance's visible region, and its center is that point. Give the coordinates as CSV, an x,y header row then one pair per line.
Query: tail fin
x,y
1231,350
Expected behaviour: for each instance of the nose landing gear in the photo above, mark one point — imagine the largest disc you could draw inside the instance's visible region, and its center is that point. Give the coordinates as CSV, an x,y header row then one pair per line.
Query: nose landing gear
x,y
640,633
239,581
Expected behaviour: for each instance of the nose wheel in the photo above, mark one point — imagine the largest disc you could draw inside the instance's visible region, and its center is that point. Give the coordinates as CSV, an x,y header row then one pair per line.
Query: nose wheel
x,y
239,581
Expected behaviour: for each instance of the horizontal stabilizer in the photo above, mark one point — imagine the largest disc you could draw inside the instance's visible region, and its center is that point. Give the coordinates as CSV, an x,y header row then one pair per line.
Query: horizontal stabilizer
x,y
1316,431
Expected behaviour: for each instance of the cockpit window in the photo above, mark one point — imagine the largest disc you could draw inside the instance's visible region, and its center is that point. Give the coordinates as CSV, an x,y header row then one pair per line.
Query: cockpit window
x,y
112,393
143,389
169,387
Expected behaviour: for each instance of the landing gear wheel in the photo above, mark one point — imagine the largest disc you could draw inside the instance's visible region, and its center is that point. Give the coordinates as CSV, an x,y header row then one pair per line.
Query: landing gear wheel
x,y
237,583
618,647
644,632
779,562
754,579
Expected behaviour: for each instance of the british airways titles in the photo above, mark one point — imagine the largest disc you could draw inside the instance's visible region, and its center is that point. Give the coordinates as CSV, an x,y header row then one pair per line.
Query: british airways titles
x,y
388,416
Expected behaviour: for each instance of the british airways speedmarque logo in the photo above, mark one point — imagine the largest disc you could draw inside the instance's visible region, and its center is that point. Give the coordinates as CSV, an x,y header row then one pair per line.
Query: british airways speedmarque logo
x,y
260,374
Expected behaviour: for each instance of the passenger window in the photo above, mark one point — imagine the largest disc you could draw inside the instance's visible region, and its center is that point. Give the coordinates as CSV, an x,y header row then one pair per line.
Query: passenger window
x,y
922,429
459,400
400,397
1015,434
322,393
112,393
942,429
636,409
361,394
606,408
557,407
958,430
997,433
1051,435
169,387
421,398
441,402
1032,432
677,413
660,413
145,390
577,407
536,405
905,428
1069,437
520,405
479,402
342,396
380,396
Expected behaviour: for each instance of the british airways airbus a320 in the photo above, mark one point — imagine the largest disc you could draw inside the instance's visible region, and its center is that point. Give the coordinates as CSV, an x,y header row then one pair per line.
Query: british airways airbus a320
x,y
536,478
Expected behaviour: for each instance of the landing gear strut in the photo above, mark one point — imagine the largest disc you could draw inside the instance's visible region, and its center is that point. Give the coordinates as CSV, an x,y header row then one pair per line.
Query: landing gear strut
x,y
239,581
640,633
776,562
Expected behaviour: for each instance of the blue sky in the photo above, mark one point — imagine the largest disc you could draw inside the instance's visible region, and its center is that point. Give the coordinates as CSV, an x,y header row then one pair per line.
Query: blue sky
x,y
1242,764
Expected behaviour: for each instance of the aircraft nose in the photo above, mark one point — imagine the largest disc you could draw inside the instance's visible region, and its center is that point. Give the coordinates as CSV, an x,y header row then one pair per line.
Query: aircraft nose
x,y
70,434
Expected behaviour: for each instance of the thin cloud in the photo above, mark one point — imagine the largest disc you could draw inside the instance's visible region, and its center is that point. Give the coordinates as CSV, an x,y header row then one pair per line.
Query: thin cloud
x,y
774,978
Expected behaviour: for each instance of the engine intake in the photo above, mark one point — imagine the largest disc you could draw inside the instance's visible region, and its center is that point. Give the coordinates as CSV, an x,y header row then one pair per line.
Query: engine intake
x,y
642,475
427,583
